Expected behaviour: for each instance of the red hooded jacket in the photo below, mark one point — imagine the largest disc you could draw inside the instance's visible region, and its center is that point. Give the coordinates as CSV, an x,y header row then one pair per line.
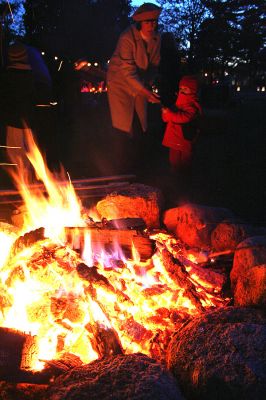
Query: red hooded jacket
x,y
186,112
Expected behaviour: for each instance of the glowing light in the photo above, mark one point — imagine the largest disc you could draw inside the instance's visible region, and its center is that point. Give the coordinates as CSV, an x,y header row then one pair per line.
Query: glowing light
x,y
6,241
60,65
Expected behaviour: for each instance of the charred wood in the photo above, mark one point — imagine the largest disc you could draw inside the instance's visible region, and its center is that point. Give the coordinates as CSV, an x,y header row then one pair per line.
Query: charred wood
x,y
67,361
92,276
110,239
25,241
104,340
179,275
18,352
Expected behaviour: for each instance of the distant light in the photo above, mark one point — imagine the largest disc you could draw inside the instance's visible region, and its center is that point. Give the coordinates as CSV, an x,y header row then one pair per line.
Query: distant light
x,y
238,89
60,65
263,89
55,57
258,89
43,53
206,74
226,73
108,61
96,64
89,64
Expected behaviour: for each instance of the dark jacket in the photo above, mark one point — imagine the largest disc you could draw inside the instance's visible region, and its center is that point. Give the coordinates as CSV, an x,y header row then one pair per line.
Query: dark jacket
x,y
17,98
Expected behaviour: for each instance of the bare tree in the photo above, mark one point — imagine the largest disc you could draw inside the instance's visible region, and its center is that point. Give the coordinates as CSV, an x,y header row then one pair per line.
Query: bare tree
x,y
184,18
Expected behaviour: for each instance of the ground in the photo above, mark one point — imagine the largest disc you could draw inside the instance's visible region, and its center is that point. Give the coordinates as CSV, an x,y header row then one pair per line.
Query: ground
x,y
229,156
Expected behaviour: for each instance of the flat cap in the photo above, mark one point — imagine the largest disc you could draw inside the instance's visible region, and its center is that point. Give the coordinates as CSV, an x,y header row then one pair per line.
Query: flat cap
x,y
146,11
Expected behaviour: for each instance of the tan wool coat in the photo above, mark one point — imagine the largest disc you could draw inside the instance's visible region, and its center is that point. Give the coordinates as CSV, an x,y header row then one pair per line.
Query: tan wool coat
x,y
132,67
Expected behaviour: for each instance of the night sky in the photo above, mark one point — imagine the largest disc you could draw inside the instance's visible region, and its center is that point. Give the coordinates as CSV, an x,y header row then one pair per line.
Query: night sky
x,y
139,2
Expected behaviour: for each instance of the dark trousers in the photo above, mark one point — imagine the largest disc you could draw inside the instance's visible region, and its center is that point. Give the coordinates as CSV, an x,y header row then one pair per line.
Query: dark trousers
x,y
128,149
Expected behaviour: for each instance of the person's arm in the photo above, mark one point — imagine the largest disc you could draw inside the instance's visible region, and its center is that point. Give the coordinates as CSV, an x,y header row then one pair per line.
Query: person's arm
x,y
129,71
178,115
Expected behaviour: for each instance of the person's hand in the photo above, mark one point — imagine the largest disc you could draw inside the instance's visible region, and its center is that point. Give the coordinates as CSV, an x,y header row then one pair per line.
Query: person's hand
x,y
154,98
165,114
151,97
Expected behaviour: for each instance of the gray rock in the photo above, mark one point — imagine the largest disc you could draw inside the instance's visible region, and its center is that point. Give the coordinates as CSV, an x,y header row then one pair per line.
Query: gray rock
x,y
248,275
193,223
221,355
123,377
137,201
228,234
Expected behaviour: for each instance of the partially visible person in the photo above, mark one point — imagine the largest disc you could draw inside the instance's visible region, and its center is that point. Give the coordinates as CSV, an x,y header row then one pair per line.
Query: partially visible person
x,y
131,72
21,92
17,105
132,69
182,124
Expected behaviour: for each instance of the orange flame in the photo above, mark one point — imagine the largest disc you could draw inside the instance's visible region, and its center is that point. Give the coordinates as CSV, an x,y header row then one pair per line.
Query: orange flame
x,y
42,291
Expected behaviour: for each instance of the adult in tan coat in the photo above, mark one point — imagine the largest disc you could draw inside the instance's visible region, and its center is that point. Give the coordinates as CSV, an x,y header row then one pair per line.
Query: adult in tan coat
x,y
132,69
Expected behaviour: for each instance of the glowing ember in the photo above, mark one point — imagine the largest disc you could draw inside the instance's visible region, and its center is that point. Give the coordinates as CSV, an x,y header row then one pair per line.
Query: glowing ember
x,y
47,289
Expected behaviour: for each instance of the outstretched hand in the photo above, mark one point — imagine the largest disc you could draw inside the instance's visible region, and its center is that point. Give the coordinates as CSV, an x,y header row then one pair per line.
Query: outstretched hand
x,y
151,97
154,98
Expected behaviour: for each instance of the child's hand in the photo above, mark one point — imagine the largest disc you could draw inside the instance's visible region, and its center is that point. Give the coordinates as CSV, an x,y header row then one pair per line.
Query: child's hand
x,y
164,114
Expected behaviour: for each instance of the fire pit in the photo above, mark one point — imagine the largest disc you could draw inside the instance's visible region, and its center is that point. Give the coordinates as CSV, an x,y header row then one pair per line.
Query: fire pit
x,y
83,288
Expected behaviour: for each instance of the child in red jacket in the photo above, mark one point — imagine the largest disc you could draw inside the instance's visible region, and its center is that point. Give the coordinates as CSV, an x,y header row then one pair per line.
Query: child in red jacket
x,y
182,122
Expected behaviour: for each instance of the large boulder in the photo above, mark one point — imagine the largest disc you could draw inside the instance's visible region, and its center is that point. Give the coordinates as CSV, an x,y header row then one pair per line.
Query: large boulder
x,y
123,377
193,223
137,201
228,234
251,288
248,275
221,355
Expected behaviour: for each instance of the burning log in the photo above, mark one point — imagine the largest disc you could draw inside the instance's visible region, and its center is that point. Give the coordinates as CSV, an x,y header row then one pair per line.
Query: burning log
x,y
26,240
61,365
91,275
101,236
104,340
212,281
110,239
18,352
179,275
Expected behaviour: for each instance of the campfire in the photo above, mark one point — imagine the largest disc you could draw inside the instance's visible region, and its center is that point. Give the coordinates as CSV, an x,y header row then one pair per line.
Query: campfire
x,y
90,288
